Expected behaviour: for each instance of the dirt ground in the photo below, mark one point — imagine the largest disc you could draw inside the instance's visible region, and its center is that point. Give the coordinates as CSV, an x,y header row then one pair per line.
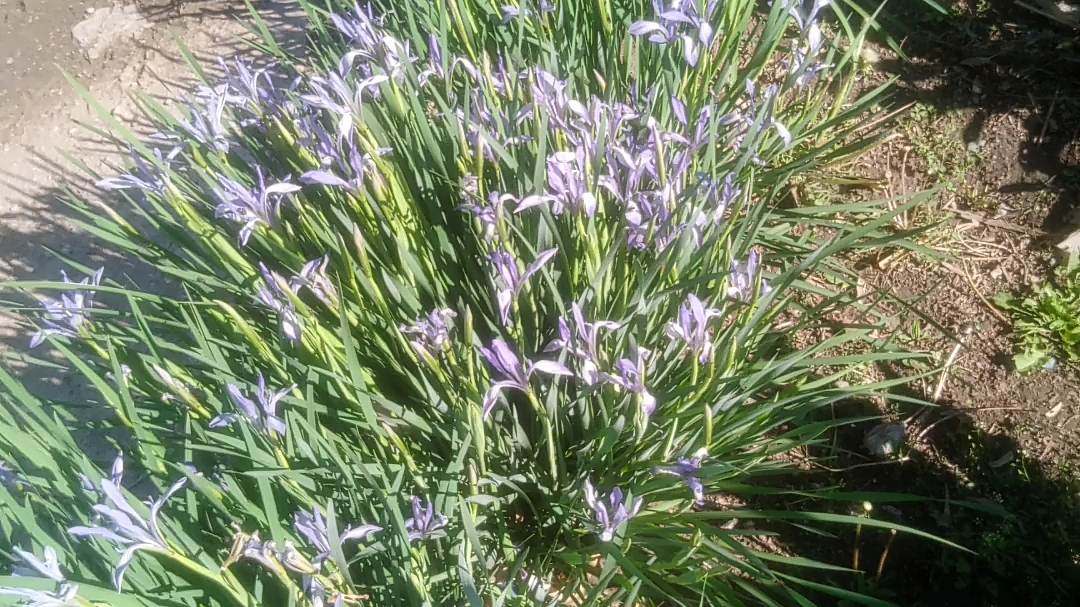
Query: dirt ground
x,y
995,122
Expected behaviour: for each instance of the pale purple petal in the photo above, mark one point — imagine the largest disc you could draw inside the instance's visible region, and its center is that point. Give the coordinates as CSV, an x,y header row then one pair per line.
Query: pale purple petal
x,y
324,178
550,367
640,28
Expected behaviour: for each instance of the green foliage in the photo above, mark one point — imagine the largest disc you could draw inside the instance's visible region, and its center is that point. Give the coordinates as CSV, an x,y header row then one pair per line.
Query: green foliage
x,y
386,416
1046,321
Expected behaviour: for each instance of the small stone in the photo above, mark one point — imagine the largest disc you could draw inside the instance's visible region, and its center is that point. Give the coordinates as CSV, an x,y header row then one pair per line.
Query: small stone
x,y
1004,459
9,61
884,440
89,10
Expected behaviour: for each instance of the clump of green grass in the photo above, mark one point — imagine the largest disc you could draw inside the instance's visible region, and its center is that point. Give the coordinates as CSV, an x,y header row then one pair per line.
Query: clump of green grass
x,y
480,307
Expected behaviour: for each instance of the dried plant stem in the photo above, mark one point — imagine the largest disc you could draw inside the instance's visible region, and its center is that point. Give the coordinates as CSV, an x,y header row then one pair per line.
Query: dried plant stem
x,y
884,556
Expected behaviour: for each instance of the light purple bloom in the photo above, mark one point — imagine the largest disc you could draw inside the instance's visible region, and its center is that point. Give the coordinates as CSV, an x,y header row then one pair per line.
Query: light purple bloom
x,y
63,597
263,417
207,129
511,12
567,185
126,527
313,528
261,205
512,373
693,330
48,567
431,335
255,90
802,63
511,280
424,522
370,41
680,20
630,375
808,18
143,176
743,280
345,100
264,553
649,222
313,277
581,342
275,293
745,120
613,514
361,26
70,314
488,213
359,165
687,469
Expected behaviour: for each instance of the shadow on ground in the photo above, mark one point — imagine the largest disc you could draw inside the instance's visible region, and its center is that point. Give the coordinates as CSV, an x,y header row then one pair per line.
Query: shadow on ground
x,y
1018,520
1012,79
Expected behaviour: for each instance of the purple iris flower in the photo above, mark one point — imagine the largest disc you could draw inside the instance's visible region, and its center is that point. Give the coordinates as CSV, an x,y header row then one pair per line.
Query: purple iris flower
x,y
424,522
255,90
745,120
126,527
70,314
435,59
687,469
743,279
361,27
360,164
368,38
143,176
263,417
649,222
630,375
345,100
807,18
511,280
261,205
581,342
680,20
613,514
207,128
693,330
431,335
313,277
264,553
313,528
802,64
49,567
512,373
64,596
274,293
567,185
316,139
488,213
511,12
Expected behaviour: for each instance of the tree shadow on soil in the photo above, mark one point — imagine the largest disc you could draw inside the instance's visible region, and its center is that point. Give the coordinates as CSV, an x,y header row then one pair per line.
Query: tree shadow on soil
x,y
1009,74
1019,520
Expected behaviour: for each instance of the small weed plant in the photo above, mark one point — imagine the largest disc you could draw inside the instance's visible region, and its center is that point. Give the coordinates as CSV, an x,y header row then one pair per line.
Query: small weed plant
x,y
474,306
1046,321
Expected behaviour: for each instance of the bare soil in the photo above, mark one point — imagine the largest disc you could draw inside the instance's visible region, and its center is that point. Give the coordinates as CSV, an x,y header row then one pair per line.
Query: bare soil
x,y
995,123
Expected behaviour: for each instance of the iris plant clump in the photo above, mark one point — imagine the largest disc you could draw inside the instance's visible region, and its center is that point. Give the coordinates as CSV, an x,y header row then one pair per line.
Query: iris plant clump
x,y
480,305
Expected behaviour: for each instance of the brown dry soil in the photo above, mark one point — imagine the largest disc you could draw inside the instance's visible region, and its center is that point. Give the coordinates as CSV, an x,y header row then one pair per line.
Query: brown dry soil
x,y
996,124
